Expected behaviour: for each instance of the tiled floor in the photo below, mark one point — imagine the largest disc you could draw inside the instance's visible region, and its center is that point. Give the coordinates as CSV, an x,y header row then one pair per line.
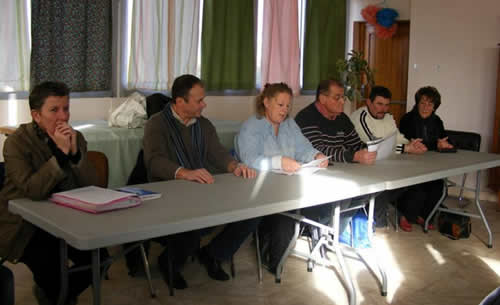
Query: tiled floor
x,y
422,269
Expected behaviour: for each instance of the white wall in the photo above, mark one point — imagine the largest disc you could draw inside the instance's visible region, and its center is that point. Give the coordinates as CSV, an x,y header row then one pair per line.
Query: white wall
x,y
453,46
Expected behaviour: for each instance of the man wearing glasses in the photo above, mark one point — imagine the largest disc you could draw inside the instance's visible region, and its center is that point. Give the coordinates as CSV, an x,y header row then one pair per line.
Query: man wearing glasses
x,y
329,129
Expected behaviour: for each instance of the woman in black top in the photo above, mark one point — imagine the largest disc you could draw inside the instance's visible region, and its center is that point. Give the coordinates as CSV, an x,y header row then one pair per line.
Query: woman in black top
x,y
423,123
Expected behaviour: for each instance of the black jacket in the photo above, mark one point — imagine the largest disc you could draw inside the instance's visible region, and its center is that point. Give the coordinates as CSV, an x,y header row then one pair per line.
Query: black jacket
x,y
431,129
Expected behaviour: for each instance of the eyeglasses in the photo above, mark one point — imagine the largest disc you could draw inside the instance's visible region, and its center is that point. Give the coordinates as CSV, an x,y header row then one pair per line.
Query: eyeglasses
x,y
336,97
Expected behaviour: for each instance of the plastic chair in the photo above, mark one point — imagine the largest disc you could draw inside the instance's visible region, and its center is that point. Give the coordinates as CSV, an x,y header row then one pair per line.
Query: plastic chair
x,y
467,141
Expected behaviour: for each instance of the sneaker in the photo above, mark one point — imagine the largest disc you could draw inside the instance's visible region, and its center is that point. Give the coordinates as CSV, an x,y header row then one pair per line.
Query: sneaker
x,y
213,266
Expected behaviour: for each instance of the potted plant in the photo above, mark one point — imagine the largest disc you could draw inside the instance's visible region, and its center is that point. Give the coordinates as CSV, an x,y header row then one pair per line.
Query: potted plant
x,y
356,74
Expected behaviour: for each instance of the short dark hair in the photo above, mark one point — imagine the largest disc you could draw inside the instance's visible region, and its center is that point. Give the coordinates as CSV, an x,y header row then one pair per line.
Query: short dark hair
x,y
380,91
183,84
43,90
324,86
431,93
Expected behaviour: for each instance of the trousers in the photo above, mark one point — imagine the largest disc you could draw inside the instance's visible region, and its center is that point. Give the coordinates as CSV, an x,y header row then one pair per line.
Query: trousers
x,y
42,257
222,247
419,200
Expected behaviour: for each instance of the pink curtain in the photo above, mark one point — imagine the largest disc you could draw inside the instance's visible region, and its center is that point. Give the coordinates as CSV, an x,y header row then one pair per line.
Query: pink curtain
x,y
280,43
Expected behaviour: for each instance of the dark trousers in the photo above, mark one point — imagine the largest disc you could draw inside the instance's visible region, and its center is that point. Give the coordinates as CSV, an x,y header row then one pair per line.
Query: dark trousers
x,y
6,286
43,259
222,247
382,202
419,200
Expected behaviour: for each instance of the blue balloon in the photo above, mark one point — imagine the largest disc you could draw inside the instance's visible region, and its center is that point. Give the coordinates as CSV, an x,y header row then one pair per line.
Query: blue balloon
x,y
386,17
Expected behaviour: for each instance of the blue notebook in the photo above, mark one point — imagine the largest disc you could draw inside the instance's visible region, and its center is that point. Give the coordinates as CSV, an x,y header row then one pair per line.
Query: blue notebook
x,y
141,193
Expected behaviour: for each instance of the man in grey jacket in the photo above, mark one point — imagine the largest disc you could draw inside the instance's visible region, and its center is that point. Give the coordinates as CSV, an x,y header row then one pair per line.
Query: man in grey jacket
x,y
179,143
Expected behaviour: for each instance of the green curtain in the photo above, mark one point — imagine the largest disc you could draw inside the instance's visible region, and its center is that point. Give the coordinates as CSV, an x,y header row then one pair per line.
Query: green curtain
x,y
227,45
324,40
71,42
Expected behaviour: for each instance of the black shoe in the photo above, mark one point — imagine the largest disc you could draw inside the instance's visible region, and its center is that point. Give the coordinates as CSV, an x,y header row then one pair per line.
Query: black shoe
x,y
178,282
212,265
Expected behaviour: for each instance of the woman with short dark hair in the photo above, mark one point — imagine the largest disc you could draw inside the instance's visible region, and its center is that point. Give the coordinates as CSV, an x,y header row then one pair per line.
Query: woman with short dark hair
x,y
43,157
423,123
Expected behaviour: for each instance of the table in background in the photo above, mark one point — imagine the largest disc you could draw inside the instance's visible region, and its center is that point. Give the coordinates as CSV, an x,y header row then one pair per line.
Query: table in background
x,y
122,145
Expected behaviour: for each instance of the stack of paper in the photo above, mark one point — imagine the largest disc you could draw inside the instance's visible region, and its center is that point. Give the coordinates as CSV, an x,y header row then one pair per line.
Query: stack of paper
x,y
95,199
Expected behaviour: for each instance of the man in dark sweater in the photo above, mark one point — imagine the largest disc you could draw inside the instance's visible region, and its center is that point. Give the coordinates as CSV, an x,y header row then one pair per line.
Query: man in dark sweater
x,y
331,131
179,143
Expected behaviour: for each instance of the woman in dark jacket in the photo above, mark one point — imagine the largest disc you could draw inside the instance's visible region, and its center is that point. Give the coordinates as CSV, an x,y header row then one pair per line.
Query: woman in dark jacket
x,y
43,157
423,123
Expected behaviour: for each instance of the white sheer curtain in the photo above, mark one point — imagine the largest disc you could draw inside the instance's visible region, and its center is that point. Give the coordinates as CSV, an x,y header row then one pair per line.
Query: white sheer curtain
x,y
15,46
164,42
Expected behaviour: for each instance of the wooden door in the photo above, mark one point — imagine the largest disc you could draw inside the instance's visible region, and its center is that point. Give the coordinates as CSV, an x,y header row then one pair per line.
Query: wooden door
x,y
389,58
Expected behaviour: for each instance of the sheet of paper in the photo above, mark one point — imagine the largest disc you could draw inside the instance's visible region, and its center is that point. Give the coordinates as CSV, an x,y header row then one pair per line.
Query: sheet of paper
x,y
302,171
384,147
305,169
315,163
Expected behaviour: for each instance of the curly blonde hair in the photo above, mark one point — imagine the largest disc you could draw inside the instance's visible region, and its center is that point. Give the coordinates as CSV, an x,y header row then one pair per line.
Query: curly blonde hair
x,y
270,91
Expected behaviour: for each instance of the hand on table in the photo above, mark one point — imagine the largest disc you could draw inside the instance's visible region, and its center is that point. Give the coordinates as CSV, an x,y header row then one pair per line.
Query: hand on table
x,y
415,147
244,171
443,144
200,175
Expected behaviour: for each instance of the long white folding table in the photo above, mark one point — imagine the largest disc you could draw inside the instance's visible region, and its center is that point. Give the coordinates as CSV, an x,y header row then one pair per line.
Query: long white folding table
x,y
186,206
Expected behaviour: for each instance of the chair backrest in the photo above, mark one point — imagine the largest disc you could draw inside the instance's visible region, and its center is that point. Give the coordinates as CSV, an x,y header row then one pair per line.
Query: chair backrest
x,y
139,174
100,162
464,140
155,103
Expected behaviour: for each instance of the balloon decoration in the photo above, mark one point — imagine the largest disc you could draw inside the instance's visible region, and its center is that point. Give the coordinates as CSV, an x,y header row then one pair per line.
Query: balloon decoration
x,y
383,19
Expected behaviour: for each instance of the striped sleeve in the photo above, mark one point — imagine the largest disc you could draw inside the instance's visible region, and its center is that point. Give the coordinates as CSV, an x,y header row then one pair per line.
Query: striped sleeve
x,y
364,124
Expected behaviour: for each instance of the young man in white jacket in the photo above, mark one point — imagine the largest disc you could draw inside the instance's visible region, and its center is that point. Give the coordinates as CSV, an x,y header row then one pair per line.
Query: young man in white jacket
x,y
374,121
